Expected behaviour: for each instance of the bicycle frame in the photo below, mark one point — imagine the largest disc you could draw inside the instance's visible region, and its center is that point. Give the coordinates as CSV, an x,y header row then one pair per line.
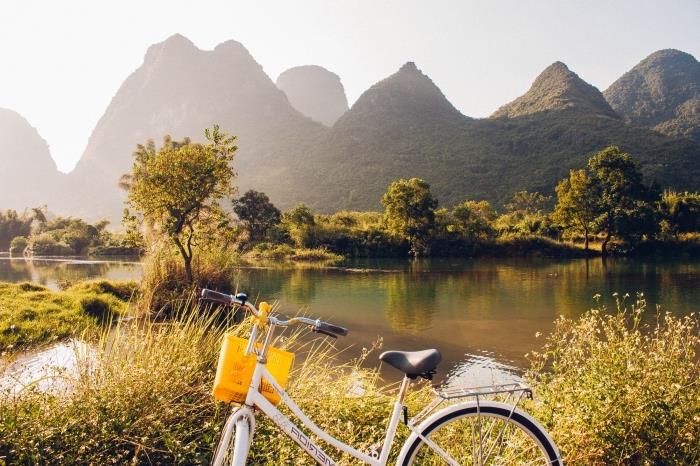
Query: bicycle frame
x,y
255,399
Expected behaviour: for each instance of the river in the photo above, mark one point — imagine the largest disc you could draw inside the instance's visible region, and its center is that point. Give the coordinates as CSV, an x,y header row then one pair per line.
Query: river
x,y
482,314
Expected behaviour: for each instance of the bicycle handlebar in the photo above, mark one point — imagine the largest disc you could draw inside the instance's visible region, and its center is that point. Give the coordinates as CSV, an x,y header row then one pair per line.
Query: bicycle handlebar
x,y
317,325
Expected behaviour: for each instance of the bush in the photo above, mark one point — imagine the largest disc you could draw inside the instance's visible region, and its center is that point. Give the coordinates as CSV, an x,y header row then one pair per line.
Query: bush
x,y
285,252
45,245
616,391
164,287
18,245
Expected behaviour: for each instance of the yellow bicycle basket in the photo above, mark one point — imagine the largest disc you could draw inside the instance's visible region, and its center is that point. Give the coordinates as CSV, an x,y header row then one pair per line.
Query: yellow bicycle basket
x,y
235,371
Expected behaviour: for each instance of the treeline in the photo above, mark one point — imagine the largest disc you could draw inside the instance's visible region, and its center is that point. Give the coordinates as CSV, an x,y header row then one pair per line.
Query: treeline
x,y
607,203
34,233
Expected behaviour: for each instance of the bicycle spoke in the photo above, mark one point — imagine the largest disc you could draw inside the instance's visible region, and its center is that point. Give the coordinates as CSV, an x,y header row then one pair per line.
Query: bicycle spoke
x,y
481,440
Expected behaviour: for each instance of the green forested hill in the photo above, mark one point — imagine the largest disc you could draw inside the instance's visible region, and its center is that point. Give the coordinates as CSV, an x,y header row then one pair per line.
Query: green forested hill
x,y
404,127
662,92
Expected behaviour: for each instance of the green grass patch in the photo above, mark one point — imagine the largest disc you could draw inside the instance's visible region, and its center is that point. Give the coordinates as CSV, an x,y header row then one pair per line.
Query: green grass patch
x,y
285,252
31,314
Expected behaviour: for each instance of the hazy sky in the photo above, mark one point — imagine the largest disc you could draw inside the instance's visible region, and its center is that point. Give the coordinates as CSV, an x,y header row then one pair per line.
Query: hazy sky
x,y
62,61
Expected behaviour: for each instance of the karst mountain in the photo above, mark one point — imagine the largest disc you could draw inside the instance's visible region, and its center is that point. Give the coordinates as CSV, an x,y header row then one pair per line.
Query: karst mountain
x,y
298,141
315,92
662,92
28,174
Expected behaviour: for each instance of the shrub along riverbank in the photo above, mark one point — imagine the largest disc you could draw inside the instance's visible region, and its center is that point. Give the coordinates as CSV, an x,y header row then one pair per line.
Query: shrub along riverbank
x,y
611,390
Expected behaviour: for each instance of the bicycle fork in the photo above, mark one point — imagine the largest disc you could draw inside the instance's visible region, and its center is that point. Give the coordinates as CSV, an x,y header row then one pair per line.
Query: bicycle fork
x,y
240,423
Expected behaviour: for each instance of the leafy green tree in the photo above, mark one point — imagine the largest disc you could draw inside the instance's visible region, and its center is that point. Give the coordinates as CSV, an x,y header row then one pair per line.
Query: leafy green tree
x,y
528,203
18,245
13,224
409,213
680,213
577,203
178,187
472,219
527,215
299,222
625,202
257,214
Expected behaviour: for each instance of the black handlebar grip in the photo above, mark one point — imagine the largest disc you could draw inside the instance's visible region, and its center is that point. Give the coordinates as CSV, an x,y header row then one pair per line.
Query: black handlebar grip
x,y
318,330
217,297
334,329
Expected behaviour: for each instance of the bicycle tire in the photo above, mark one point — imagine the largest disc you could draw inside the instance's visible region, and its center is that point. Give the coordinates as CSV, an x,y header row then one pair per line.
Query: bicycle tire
x,y
518,419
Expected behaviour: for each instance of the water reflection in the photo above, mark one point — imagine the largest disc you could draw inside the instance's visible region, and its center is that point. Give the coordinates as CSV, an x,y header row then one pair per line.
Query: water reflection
x,y
53,272
50,369
481,370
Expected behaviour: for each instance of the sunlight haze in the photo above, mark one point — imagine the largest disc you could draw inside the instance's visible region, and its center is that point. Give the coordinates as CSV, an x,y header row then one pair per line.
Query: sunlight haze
x,y
63,61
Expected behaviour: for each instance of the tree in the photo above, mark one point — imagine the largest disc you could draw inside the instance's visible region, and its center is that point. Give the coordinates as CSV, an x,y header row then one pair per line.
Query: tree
x,y
527,215
577,203
409,213
177,188
257,214
472,219
680,212
527,203
624,201
13,224
299,221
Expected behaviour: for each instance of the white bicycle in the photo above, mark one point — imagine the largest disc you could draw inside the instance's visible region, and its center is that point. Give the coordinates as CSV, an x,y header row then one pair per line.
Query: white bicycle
x,y
450,430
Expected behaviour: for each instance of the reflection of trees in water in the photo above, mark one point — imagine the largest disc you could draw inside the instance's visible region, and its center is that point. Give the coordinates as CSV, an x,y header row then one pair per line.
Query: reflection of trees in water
x,y
261,284
411,300
14,271
301,287
52,273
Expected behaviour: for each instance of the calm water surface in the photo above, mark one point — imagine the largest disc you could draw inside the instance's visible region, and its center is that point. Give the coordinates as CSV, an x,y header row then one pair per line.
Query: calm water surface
x,y
482,314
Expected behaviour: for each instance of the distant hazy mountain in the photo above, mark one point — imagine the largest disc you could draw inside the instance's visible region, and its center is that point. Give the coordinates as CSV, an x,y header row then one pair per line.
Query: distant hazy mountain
x,y
557,88
180,90
28,174
662,92
315,92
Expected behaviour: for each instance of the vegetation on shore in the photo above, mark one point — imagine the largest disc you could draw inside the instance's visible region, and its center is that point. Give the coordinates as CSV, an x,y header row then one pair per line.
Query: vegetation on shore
x,y
32,314
621,388
34,233
610,389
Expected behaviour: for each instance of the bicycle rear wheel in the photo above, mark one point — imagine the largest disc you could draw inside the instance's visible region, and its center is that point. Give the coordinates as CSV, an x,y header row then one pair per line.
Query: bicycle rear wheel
x,y
491,434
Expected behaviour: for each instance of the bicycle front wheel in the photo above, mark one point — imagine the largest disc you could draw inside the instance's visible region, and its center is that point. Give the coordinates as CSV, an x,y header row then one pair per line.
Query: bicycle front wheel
x,y
490,434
